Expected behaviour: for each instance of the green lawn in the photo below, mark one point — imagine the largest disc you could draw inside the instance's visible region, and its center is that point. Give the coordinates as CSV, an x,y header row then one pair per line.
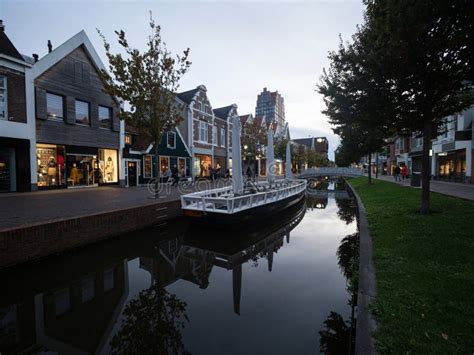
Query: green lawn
x,y
424,269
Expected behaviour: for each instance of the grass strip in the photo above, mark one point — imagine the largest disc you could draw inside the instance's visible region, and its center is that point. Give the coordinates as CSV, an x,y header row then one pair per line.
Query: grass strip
x,y
424,268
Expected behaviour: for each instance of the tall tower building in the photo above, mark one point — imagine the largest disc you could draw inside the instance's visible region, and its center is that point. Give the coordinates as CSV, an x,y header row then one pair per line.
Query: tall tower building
x,y
272,105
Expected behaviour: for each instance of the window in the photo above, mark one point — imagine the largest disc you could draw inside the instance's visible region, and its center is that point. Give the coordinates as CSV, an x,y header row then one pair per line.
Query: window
x,y
62,301
82,112
3,97
87,289
203,137
109,279
105,117
164,165
200,106
147,166
222,137
54,106
128,139
171,140
214,135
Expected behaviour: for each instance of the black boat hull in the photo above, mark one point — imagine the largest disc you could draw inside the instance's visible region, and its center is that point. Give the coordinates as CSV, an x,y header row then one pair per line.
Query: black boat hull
x,y
245,217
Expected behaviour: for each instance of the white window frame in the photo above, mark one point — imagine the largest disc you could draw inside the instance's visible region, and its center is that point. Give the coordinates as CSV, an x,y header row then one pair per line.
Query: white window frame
x,y
203,128
222,136
214,135
144,165
5,101
167,144
185,167
169,163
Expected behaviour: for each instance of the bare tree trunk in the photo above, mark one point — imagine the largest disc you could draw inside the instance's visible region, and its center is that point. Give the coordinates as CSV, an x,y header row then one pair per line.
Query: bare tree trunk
x,y
425,170
157,171
369,170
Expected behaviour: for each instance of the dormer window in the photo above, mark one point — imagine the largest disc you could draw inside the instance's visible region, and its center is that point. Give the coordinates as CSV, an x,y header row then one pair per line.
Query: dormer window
x,y
171,140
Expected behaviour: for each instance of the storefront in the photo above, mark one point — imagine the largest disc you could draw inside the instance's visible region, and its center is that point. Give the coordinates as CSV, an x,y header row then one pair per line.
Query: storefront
x,y
452,165
202,164
73,166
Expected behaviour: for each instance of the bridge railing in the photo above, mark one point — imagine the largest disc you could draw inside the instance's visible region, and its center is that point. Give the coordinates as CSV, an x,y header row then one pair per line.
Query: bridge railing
x,y
327,171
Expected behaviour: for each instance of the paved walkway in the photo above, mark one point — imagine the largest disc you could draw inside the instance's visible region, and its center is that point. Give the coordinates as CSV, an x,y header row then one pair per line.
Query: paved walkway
x,y
21,209
465,191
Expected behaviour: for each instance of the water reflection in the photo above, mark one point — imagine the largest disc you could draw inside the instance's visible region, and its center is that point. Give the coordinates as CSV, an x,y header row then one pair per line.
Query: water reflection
x,y
178,289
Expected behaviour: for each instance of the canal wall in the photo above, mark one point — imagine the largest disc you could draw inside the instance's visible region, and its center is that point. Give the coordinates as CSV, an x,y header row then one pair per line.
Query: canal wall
x,y
366,324
32,242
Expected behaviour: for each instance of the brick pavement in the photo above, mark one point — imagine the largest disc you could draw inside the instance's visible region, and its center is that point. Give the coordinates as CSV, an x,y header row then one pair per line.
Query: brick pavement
x,y
24,209
465,191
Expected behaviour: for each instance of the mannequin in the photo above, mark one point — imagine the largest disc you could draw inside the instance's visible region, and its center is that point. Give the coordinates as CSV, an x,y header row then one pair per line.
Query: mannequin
x,y
74,174
52,170
109,169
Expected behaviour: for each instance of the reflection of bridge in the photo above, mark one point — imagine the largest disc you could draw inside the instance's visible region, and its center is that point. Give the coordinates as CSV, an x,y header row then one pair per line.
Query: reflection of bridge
x,y
331,172
336,194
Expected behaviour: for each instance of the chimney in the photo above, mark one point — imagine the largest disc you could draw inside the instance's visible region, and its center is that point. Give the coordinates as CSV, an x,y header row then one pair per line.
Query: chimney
x,y
50,46
2,26
35,56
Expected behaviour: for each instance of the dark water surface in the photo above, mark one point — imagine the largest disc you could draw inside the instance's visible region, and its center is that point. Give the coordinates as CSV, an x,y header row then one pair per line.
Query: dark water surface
x,y
279,288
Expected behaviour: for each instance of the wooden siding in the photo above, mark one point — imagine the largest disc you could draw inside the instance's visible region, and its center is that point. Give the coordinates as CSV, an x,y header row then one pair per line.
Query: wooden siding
x,y
75,77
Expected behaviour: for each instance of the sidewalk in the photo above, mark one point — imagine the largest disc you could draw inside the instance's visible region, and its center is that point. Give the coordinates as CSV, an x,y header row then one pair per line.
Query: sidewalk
x,y
24,209
465,191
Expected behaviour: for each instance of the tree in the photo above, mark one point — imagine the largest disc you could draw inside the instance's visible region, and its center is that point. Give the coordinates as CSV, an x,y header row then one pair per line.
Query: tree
x,y
254,137
151,324
356,98
147,81
425,50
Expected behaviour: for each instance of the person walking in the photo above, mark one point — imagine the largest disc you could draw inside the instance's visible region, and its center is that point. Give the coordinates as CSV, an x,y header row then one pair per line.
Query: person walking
x,y
175,176
396,174
405,172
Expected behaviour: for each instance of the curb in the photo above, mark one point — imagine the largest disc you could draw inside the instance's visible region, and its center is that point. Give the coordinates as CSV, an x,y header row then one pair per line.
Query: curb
x,y
366,324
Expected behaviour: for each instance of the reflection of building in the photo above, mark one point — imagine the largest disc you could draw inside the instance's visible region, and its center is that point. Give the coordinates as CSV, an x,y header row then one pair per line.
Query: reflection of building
x,y
73,317
77,126
194,259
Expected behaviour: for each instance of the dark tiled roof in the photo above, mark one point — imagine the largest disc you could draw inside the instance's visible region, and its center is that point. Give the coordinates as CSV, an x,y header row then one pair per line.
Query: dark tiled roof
x,y
258,120
222,112
7,47
187,96
244,119
305,141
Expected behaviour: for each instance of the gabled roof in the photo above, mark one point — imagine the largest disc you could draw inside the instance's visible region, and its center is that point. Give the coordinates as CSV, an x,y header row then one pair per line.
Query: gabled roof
x,y
187,96
7,47
259,120
245,118
52,58
305,141
223,112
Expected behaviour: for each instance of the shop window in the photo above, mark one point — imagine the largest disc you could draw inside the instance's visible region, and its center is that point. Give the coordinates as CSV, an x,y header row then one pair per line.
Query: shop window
x,y
3,97
128,139
55,106
83,170
164,165
105,117
202,164
82,113
107,167
147,166
50,160
182,166
171,140
87,289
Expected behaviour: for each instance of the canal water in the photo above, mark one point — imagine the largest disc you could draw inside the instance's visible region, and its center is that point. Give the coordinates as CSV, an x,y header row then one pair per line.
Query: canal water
x,y
281,287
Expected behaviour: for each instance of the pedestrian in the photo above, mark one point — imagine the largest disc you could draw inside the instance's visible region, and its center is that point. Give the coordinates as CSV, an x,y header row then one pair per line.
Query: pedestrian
x,y
249,173
396,173
405,172
211,173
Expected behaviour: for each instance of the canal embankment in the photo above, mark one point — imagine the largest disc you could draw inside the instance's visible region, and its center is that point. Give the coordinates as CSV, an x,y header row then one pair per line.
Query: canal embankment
x,y
423,268
35,225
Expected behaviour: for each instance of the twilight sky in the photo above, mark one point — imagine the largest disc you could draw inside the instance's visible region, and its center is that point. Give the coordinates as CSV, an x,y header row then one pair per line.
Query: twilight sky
x,y
237,47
